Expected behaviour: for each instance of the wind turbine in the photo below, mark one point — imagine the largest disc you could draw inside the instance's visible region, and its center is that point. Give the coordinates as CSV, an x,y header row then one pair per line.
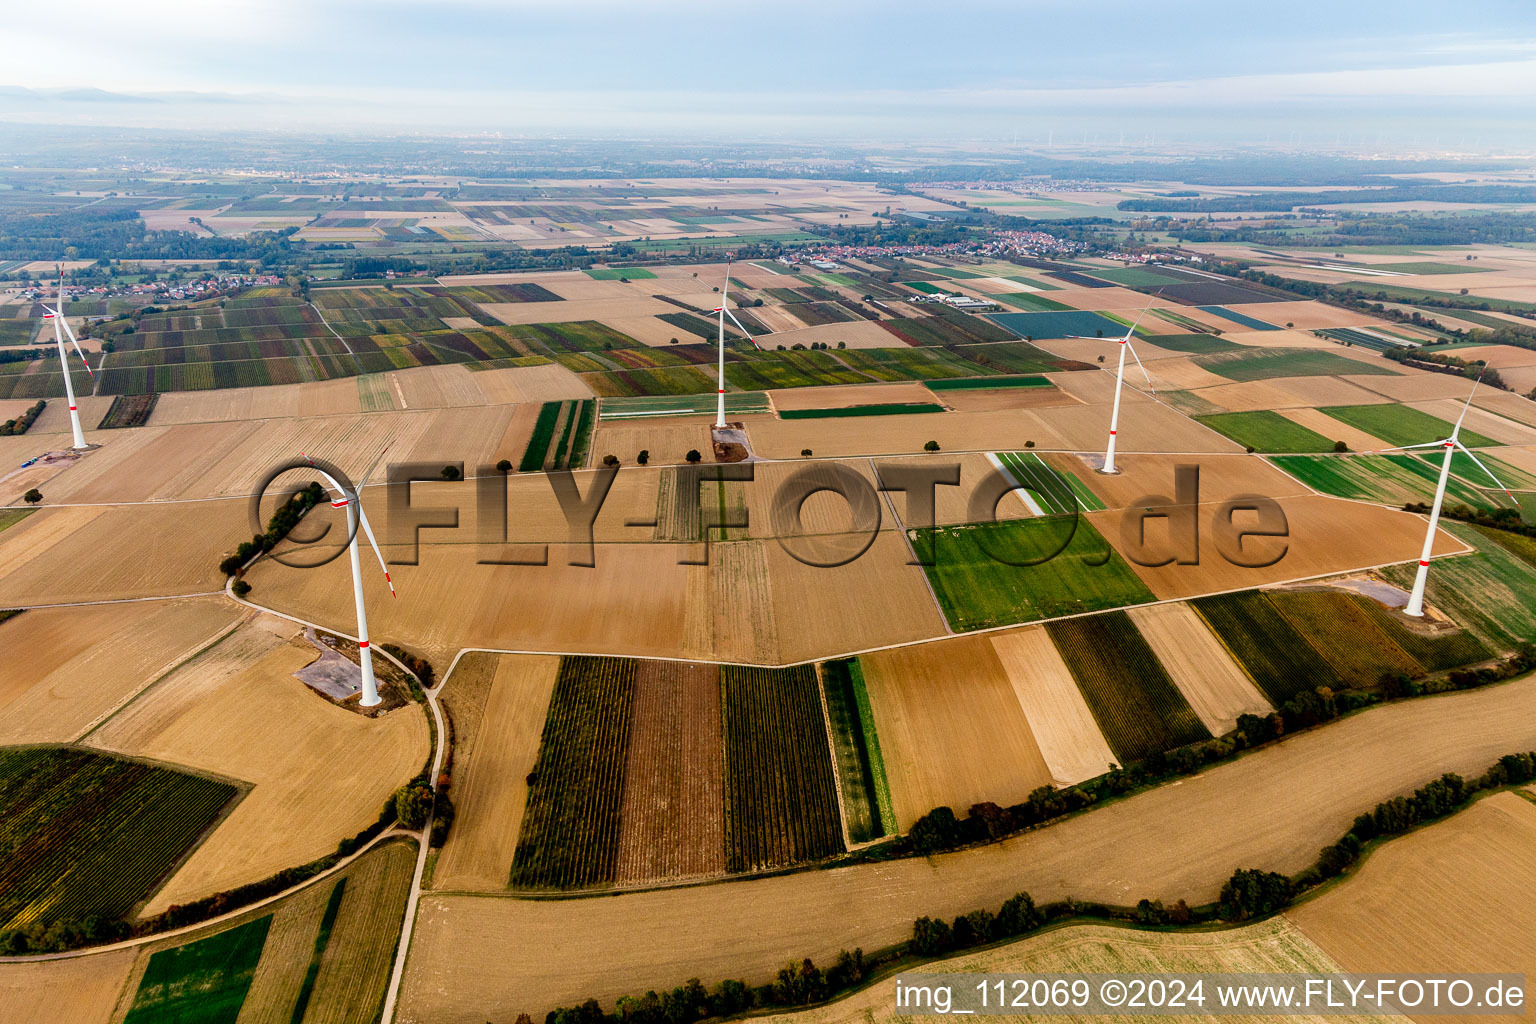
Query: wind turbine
x,y
1114,415
1451,444
720,395
57,316
352,502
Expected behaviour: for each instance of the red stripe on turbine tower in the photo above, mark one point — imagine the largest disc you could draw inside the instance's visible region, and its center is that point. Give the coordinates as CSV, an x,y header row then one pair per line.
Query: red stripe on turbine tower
x,y
362,644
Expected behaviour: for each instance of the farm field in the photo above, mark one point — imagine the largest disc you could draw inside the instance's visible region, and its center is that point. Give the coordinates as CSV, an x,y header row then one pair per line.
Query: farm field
x,y
525,952
1263,364
1402,424
952,731
1360,642
570,830
288,745
205,980
88,834
1216,687
67,991
1492,591
68,668
1279,659
1272,946
1139,709
1070,741
1386,479
1267,432
1071,573
868,811
1456,890
1324,537
780,793
497,704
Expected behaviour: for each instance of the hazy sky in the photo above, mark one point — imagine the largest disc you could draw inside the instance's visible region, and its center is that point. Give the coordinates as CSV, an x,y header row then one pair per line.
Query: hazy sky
x,y
1367,69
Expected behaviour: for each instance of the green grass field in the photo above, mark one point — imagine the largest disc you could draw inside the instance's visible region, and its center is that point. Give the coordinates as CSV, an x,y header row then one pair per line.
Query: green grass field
x,y
9,517
202,982
1139,709
89,834
1057,492
619,273
1266,431
1194,344
1265,363
737,403
1402,424
1405,293
1345,635
1030,302
1077,572
1387,479
1492,591
886,409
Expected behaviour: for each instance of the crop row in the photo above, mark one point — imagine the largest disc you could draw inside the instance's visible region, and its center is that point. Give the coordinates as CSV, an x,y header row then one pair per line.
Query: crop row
x,y
780,793
570,832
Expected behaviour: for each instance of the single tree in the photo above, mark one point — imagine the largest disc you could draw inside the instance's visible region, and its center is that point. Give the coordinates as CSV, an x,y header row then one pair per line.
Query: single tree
x,y
693,455
610,460
451,473
1029,444
931,446
1340,446
504,466
33,496
241,588
805,453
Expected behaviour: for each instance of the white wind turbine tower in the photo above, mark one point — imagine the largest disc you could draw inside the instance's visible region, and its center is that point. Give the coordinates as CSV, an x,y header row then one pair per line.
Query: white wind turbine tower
x,y
1451,444
352,502
1114,415
724,312
57,316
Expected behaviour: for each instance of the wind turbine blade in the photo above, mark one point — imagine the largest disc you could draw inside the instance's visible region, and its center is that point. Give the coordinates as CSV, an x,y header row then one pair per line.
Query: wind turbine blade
x,y
364,481
1404,448
1465,408
743,330
1144,373
1485,469
76,342
362,519
1137,322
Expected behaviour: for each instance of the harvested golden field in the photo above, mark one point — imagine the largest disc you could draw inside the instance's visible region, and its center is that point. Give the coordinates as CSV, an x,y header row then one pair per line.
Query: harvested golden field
x,y
1456,896
1144,425
1145,476
285,956
1307,316
1499,357
986,400
667,438
355,967
436,387
320,773
513,384
491,763
80,990
648,330
1216,687
730,614
853,334
1249,395
1112,298
66,669
825,512
95,554
630,603
1273,946
672,816
1334,429
1064,729
847,395
1498,427
875,600
1415,386
1272,809
55,417
1179,373
1326,535
950,727
1320,391
1521,410
468,435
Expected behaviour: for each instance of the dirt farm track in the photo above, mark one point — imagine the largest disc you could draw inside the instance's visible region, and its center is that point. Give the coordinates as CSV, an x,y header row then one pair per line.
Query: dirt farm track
x,y
475,956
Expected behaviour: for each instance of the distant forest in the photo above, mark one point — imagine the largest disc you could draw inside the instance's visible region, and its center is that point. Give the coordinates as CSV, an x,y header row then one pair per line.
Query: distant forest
x,y
1284,202
89,234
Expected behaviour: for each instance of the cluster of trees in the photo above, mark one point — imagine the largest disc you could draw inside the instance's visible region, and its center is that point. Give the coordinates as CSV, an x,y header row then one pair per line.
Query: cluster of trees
x,y
1503,518
20,424
64,933
1440,362
284,518
1018,916
1284,202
